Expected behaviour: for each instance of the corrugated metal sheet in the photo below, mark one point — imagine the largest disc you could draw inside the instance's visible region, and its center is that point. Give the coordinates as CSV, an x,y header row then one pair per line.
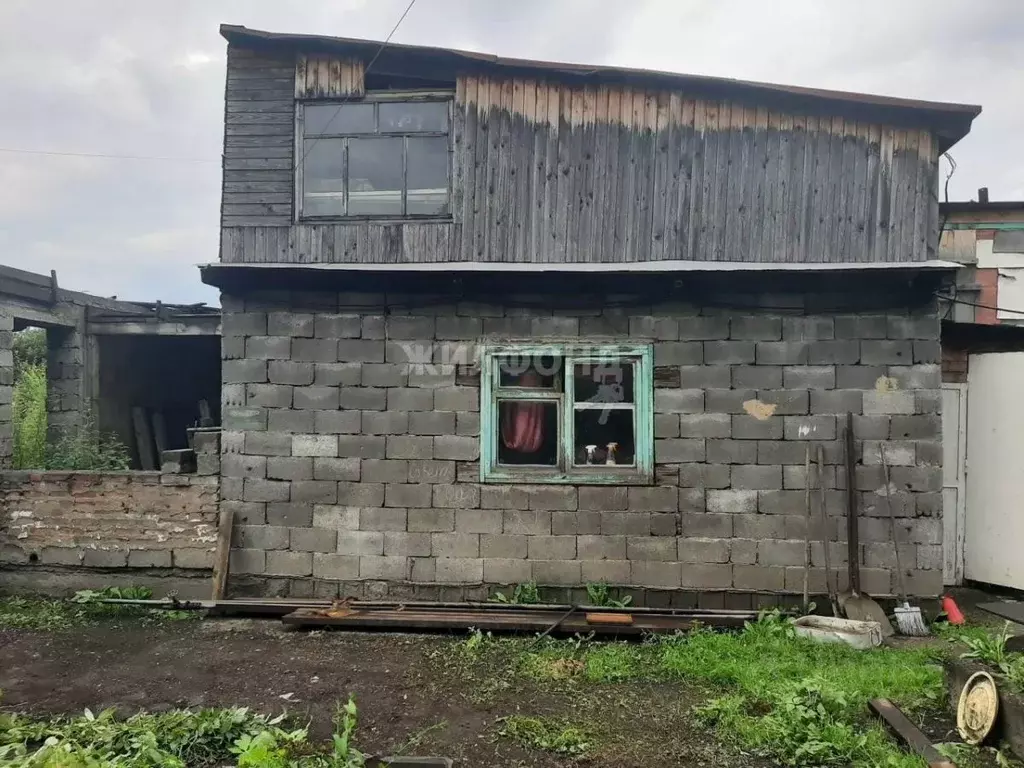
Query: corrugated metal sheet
x,y
327,76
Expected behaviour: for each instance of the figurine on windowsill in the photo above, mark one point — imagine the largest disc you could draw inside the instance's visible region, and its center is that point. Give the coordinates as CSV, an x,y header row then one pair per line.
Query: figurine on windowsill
x,y
610,456
590,454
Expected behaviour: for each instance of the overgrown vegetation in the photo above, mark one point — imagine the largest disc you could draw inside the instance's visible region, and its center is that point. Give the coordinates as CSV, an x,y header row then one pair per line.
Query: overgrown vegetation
x,y
84,609
989,648
176,739
600,595
28,412
85,448
29,350
522,594
550,735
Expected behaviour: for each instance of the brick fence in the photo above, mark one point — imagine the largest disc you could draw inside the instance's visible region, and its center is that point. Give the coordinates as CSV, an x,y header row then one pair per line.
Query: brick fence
x,y
351,449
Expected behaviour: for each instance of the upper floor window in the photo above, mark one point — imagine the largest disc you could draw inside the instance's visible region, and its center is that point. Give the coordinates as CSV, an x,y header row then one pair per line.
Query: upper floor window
x,y
378,157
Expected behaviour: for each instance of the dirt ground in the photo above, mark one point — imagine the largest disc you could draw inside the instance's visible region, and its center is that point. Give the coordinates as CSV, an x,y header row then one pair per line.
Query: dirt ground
x,y
412,698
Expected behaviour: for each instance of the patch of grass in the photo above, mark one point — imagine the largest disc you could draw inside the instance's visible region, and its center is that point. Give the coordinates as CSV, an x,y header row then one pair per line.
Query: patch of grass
x,y
28,412
522,594
547,734
988,646
81,611
177,739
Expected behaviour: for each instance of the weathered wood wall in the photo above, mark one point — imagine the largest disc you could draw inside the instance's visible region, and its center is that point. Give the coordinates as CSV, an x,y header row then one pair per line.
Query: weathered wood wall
x,y
546,172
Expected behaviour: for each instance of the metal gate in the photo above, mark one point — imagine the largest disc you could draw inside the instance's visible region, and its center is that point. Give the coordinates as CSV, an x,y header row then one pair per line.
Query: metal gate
x,y
994,530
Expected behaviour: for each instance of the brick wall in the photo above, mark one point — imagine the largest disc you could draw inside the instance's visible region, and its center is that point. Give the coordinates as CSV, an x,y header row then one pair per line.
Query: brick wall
x,y
350,464
108,519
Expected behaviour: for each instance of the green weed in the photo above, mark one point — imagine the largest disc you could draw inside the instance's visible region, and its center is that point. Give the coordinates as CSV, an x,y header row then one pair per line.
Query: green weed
x,y
989,648
86,448
546,734
28,412
83,610
522,594
599,594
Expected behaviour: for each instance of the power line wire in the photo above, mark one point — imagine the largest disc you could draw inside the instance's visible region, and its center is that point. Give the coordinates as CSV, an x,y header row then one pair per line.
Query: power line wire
x,y
105,156
312,142
979,306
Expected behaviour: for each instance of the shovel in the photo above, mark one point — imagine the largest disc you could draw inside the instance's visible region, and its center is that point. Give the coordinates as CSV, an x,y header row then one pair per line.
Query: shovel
x,y
855,605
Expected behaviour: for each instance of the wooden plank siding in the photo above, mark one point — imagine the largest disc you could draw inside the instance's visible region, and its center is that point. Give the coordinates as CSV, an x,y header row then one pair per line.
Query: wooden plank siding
x,y
548,172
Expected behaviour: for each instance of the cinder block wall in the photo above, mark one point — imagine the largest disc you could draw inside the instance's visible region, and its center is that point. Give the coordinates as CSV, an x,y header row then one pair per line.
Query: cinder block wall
x,y
351,447
6,388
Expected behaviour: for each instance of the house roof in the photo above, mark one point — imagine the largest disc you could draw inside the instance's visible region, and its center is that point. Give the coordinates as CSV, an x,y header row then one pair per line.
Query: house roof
x,y
950,122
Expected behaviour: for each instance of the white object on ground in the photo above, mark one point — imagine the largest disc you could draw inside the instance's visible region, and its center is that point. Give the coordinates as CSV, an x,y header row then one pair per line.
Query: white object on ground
x,y
827,629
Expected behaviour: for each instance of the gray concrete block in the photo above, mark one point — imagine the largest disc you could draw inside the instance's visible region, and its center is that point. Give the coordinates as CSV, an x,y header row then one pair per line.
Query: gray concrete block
x,y
729,352
878,403
706,576
314,445
457,399
291,514
732,501
731,452
432,376
591,547
886,353
858,376
551,547
662,548
286,467
757,526
363,398
243,371
837,401
705,376
462,496
699,550
554,326
289,563
711,475
506,571
924,326
244,324
456,447
839,351
431,520
410,327
337,374
316,398
240,465
625,523
384,375
645,573
422,570
927,352
917,479
528,522
410,399
551,497
616,572
743,551
146,558
755,328
287,420
808,328
383,568
384,471
417,355
679,401
290,372
785,401
361,494
813,377
290,324
431,423
455,544
335,517
401,544
409,447
779,502
479,520
704,328
268,395
360,351
335,567
666,425
565,522
268,348
861,326
679,450
407,495
313,539
809,427
689,353
431,471
461,570
315,491
385,422
754,428
653,499
248,561
756,376
692,500
361,446
256,489
340,423
781,352
314,350
503,546
467,424
240,419
922,376
918,427
329,468
457,328
727,400
332,326
704,425
780,552
753,477
759,577
382,519
654,327
232,347
929,453
601,499
556,572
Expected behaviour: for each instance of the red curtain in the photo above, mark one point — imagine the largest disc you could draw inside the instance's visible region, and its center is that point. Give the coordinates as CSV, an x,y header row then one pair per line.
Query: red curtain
x,y
522,427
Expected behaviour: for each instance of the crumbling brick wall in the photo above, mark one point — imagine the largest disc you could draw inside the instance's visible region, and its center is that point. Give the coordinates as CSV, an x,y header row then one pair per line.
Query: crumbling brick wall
x,y
108,519
351,448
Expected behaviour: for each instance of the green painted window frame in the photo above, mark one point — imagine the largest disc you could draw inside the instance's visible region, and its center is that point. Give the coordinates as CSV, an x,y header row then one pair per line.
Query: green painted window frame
x,y
642,470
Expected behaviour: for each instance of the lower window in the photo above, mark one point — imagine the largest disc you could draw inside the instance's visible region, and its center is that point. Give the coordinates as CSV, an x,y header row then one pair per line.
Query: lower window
x,y
566,413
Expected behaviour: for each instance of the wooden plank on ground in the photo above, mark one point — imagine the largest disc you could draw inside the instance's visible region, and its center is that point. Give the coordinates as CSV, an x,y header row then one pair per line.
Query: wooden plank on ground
x,y
909,733
222,558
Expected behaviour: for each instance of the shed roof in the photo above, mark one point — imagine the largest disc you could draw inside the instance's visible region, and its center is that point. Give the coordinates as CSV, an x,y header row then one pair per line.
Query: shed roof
x,y
950,122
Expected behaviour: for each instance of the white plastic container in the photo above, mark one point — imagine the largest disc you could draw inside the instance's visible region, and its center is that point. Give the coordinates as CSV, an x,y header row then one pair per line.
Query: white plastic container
x,y
827,629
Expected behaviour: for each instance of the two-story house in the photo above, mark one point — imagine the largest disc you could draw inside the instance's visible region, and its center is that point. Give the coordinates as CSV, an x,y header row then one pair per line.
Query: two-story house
x,y
489,321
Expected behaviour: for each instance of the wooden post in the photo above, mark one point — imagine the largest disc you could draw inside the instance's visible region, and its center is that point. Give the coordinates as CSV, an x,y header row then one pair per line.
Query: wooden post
x,y
222,558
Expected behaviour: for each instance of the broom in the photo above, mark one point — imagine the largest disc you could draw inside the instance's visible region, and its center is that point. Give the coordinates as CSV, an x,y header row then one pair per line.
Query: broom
x,y
908,617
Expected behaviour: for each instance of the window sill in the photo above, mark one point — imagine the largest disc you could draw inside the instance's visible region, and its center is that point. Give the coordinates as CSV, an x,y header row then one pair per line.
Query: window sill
x,y
596,476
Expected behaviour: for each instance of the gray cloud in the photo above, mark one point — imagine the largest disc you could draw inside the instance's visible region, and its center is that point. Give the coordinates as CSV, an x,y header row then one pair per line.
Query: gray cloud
x,y
107,77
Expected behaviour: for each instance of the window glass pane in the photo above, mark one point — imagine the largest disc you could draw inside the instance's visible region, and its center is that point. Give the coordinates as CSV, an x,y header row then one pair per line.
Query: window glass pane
x,y
338,118
606,381
427,171
411,116
604,437
528,432
323,177
375,177
530,371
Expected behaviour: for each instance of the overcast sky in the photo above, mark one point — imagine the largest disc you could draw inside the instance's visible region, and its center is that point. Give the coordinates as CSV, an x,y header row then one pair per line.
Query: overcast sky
x,y
146,78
